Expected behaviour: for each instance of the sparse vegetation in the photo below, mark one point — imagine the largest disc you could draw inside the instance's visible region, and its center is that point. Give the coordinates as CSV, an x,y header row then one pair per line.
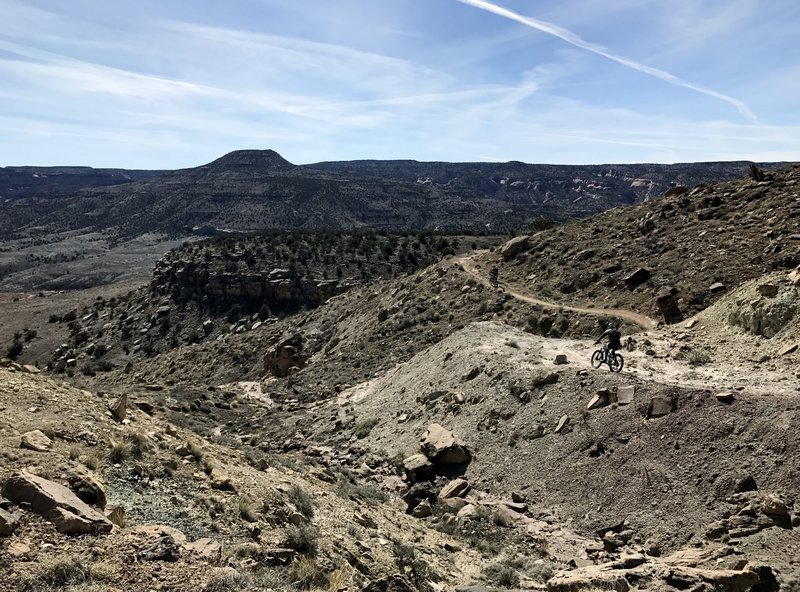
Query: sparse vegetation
x,y
302,500
306,573
247,510
67,570
363,428
302,538
119,452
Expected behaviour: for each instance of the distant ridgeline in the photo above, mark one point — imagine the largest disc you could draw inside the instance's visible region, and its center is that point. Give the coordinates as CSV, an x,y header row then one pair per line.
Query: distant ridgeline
x,y
253,190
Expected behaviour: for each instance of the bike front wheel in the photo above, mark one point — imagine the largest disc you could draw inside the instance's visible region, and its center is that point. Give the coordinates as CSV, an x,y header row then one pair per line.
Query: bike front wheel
x,y
597,358
616,363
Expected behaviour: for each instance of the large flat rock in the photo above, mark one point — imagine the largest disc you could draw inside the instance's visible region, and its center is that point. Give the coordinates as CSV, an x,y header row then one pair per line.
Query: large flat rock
x,y
55,503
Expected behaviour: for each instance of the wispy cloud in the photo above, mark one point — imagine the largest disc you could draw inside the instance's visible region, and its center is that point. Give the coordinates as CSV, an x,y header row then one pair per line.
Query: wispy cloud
x,y
574,39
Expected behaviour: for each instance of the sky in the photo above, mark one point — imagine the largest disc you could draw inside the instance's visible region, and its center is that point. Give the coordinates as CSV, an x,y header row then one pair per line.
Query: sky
x,y
164,84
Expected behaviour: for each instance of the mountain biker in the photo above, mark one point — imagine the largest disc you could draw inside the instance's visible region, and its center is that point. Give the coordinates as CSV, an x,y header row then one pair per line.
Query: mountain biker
x,y
614,337
494,272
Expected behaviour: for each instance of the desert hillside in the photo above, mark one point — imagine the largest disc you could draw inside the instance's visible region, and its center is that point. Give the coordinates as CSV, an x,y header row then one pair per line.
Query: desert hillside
x,y
412,427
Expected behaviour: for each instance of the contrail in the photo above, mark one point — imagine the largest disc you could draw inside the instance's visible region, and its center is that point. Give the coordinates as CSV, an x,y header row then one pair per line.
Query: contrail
x,y
577,41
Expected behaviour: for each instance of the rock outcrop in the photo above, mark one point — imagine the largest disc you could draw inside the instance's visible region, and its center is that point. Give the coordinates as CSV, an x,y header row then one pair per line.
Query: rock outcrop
x,y
55,503
441,446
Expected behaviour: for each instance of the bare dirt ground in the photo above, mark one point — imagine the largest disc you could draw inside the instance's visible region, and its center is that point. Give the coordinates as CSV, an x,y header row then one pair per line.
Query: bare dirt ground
x,y
675,489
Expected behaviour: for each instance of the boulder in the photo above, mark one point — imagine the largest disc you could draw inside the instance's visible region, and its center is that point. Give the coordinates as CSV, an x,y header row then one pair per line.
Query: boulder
x,y
119,409
768,290
88,489
667,305
208,550
417,467
441,446
467,512
456,488
453,504
422,510
55,503
637,277
514,247
625,394
660,405
36,440
220,479
9,521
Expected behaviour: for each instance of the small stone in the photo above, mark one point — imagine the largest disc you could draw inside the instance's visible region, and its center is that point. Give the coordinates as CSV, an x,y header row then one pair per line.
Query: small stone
x,y
717,287
516,506
456,488
365,520
725,396
562,423
560,360
789,349
220,479
597,401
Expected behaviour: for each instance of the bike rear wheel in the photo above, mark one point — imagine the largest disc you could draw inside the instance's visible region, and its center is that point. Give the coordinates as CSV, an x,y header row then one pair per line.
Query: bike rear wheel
x,y
616,363
598,358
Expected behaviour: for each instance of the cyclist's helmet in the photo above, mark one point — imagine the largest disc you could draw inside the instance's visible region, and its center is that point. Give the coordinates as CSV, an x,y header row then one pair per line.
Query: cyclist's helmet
x,y
612,327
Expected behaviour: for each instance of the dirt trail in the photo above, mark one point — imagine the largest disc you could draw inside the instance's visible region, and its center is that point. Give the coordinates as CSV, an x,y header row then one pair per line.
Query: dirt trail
x,y
728,371
643,321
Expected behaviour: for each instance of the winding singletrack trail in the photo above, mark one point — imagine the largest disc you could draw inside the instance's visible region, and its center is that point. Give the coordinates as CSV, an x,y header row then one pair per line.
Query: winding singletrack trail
x,y
480,276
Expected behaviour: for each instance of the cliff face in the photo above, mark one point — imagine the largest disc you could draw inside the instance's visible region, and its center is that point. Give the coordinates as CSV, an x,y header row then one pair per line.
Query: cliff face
x,y
278,289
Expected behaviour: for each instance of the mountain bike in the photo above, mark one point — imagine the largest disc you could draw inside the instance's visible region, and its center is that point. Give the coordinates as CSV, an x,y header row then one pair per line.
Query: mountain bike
x,y
604,356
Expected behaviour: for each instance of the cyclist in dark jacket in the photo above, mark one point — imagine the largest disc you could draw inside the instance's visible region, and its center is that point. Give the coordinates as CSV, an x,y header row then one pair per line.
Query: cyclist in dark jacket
x,y
614,338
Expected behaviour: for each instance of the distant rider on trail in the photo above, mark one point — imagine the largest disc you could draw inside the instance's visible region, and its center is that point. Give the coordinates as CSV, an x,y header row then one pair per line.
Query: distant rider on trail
x,y
614,337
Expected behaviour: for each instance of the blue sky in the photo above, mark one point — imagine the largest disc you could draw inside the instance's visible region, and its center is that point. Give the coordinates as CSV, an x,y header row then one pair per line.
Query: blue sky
x,y
177,83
